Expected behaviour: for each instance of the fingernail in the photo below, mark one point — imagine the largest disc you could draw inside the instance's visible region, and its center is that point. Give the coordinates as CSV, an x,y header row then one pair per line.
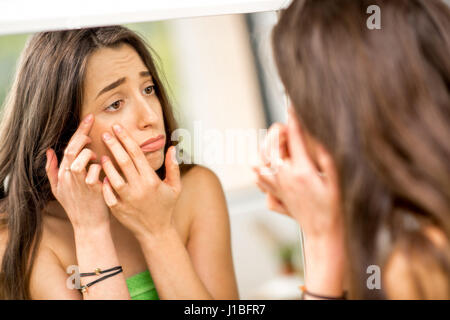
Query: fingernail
x,y
105,180
88,118
117,128
106,136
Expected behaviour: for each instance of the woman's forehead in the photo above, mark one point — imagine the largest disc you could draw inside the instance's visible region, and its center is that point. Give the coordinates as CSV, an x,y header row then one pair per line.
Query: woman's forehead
x,y
110,61
107,65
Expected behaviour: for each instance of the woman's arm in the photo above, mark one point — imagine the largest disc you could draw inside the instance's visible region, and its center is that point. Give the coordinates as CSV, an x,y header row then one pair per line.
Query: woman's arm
x,y
307,189
95,249
49,280
205,269
79,192
324,266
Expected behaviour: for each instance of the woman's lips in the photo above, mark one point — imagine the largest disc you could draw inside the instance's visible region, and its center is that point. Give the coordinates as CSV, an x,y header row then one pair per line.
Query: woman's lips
x,y
155,145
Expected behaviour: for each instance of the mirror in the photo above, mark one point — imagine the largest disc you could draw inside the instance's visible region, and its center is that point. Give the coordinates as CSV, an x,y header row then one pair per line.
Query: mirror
x,y
225,93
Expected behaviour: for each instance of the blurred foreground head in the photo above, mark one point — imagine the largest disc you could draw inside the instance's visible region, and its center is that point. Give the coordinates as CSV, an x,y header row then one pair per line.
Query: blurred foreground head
x,y
378,101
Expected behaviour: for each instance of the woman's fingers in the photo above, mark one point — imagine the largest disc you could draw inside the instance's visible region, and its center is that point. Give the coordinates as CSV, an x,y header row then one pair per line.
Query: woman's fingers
x,y
267,182
283,148
268,186
114,177
274,146
277,140
135,152
122,157
275,205
79,139
78,166
72,151
172,170
261,187
108,194
92,177
272,202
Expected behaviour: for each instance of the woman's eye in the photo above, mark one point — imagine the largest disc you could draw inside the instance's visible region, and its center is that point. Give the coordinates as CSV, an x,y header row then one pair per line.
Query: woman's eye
x,y
149,90
115,104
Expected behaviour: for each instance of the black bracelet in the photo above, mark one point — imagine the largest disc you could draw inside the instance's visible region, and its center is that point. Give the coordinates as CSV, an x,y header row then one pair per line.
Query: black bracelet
x,y
304,291
85,287
98,271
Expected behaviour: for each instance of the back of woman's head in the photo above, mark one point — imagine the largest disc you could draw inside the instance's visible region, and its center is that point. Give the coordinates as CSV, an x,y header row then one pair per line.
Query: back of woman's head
x,y
42,111
378,100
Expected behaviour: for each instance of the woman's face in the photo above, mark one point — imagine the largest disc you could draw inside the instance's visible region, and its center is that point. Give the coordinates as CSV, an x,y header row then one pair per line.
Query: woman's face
x,y
118,88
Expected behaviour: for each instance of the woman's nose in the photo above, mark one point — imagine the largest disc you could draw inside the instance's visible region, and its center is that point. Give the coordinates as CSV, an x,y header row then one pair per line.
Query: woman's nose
x,y
146,113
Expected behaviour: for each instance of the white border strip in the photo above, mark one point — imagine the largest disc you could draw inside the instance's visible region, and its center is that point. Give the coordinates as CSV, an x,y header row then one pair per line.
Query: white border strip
x,y
23,16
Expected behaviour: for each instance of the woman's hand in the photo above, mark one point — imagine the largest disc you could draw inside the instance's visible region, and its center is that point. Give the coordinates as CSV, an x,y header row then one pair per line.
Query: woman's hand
x,y
78,192
297,188
273,148
144,204
294,186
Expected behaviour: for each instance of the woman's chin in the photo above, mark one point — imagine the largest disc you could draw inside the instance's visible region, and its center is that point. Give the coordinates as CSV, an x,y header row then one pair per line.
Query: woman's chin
x,y
155,158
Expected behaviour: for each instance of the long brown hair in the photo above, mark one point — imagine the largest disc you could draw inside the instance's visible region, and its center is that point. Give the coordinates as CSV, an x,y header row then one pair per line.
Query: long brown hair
x,y
43,111
378,101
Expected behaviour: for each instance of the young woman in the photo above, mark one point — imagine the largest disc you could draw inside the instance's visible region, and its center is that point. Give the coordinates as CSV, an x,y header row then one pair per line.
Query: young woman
x,y
366,168
73,196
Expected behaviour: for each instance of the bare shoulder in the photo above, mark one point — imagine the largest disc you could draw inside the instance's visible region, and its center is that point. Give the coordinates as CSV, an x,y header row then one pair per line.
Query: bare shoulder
x,y
414,271
201,177
54,246
199,184
3,241
209,243
201,194
48,277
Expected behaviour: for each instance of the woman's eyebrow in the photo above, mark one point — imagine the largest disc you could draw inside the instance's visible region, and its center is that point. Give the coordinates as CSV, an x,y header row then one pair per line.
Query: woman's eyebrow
x,y
117,83
145,74
111,86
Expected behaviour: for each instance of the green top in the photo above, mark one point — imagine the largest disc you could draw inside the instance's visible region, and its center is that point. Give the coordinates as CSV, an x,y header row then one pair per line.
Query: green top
x,y
141,287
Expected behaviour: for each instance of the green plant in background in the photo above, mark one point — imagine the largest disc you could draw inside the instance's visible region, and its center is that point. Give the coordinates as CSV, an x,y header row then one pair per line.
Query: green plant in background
x,y
288,253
